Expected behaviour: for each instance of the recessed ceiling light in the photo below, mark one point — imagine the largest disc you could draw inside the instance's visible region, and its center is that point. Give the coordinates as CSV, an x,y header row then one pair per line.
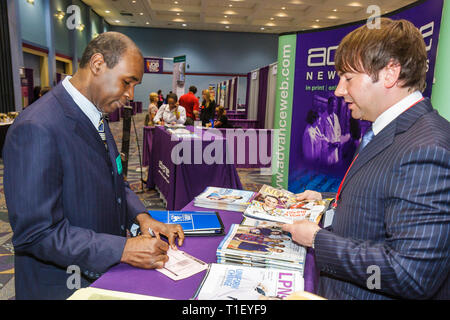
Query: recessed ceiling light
x,y
107,11
283,8
272,18
317,20
147,22
334,10
141,13
184,24
178,13
176,2
332,17
227,27
225,16
117,21
134,1
262,28
230,5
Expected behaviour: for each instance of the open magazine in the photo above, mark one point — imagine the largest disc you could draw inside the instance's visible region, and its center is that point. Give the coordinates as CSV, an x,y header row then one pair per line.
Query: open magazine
x,y
281,206
262,246
231,282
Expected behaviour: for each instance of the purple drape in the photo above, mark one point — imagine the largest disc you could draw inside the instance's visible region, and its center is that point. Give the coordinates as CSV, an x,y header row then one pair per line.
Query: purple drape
x,y
262,96
234,107
247,94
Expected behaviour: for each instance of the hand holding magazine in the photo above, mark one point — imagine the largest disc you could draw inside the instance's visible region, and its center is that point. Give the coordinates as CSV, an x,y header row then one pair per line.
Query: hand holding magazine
x,y
281,206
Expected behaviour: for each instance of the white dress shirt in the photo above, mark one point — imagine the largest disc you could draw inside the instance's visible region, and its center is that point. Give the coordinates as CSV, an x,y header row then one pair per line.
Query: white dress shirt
x,y
393,112
88,108
169,116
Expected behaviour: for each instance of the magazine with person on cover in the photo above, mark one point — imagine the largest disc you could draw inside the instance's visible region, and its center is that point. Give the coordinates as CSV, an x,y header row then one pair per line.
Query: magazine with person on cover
x,y
263,244
224,198
231,282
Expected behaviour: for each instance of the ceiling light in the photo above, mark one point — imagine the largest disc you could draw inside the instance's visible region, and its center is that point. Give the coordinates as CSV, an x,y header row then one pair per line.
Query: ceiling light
x,y
116,21
283,8
317,20
355,4
225,16
80,27
176,2
60,15
227,27
147,22
141,13
184,25
272,18
315,26
334,10
230,5
178,13
262,28
134,1
30,2
107,11
332,17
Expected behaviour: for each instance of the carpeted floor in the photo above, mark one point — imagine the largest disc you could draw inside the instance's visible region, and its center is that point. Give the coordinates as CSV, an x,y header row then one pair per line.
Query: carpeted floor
x,y
251,179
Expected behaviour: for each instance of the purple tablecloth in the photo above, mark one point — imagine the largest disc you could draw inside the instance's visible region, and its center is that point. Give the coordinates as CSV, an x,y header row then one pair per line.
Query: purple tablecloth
x,y
114,116
244,123
180,183
147,145
151,282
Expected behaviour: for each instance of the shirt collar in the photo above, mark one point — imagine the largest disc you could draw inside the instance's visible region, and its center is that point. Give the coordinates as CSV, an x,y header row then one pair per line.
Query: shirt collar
x,y
88,108
393,112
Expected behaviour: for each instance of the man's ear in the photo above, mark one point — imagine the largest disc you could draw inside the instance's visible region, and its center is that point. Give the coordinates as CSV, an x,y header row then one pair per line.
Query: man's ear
x,y
391,74
97,63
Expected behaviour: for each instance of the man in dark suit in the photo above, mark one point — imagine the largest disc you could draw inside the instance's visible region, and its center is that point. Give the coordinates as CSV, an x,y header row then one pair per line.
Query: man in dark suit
x,y
68,203
390,236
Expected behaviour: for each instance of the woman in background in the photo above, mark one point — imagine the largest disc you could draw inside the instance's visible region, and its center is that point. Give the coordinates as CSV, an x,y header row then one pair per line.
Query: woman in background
x,y
221,119
152,109
207,108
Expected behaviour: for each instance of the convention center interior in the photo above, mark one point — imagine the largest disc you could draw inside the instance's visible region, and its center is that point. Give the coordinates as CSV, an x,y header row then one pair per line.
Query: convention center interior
x,y
195,150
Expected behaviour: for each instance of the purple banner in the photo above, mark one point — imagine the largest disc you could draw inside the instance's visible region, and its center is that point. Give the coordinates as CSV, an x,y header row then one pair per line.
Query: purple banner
x,y
153,65
324,136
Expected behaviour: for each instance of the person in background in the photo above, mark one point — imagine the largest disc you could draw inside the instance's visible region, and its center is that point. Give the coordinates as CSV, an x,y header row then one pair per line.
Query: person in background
x,y
390,234
221,119
43,91
170,113
207,108
190,102
160,99
36,94
152,109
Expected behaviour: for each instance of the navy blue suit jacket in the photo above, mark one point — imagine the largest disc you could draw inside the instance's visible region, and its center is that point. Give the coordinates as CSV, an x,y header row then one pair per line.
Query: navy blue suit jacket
x,y
67,203
393,213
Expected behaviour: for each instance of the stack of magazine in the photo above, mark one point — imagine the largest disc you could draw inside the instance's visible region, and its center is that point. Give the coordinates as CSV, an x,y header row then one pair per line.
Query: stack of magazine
x,y
281,206
224,199
261,244
231,282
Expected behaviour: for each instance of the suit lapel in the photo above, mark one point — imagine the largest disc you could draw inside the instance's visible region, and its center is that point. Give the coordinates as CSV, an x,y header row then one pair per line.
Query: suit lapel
x,y
386,137
81,124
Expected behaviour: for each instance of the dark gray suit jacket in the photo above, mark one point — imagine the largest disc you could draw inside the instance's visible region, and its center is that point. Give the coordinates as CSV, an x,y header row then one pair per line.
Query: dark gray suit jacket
x,y
394,214
67,202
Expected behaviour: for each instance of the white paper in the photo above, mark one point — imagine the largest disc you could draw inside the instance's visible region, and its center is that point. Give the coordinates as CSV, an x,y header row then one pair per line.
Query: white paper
x,y
181,265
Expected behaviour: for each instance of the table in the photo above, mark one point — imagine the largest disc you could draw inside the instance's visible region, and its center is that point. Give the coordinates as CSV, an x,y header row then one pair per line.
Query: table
x,y
126,278
244,123
147,145
250,154
180,182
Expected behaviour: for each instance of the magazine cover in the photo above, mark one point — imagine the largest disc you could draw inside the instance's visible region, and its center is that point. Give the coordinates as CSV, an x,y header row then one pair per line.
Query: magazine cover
x,y
311,210
261,242
224,198
231,282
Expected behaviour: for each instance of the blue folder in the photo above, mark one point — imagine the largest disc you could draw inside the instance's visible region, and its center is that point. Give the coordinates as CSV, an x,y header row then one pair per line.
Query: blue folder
x,y
193,222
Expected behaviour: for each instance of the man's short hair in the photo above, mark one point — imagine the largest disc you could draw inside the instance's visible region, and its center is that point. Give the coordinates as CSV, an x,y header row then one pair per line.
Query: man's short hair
x,y
370,50
193,89
112,45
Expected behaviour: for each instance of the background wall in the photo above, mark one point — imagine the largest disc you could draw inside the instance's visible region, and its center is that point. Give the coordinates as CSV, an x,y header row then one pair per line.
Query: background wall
x,y
206,52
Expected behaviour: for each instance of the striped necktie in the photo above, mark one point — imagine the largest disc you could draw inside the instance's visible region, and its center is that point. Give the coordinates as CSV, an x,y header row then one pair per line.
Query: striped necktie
x,y
101,131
